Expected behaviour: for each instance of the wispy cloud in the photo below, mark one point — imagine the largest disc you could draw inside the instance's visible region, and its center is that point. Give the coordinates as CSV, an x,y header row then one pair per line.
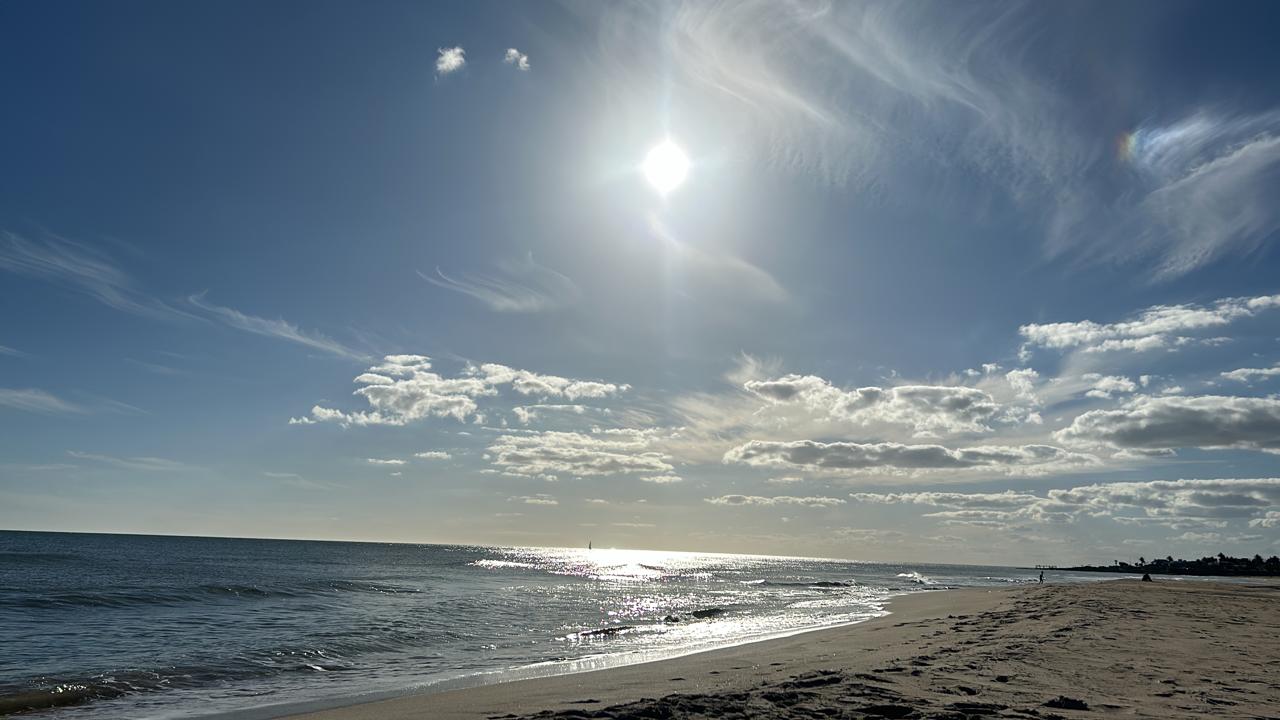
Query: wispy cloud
x,y
146,464
82,269
517,58
279,328
521,286
39,401
11,352
975,98
156,368
450,60
1203,191
539,499
720,272
297,481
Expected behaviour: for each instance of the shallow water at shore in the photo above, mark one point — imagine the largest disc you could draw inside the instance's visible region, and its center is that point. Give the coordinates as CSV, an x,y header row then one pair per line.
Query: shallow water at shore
x,y
166,627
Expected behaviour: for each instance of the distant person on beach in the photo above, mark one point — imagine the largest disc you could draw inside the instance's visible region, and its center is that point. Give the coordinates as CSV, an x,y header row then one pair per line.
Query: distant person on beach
x,y
1041,577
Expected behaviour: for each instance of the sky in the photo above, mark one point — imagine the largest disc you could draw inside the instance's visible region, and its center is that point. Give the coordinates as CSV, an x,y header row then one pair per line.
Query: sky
x,y
958,282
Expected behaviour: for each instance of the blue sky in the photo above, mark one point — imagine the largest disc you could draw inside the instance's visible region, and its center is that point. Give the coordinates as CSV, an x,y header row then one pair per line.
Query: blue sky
x,y
974,282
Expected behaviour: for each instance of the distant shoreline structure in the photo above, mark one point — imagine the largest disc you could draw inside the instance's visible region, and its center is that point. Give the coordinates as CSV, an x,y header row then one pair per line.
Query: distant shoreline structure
x,y
1216,566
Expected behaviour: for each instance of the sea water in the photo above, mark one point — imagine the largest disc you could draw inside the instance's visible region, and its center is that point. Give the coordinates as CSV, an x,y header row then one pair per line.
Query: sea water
x,y
110,626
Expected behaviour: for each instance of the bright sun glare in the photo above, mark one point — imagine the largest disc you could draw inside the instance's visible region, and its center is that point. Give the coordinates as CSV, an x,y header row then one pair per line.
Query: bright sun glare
x,y
666,166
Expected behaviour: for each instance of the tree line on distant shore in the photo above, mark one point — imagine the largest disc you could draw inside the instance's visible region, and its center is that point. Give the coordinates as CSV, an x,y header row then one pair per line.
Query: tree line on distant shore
x,y
1210,565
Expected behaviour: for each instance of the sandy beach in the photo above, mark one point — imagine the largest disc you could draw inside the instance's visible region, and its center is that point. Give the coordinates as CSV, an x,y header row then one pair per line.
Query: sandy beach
x,y
1159,650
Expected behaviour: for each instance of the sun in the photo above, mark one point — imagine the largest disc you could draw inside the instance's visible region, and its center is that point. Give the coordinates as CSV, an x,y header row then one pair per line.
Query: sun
x,y
665,167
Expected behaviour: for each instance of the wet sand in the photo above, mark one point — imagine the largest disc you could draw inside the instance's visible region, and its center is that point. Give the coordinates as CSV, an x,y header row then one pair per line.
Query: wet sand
x,y
1168,649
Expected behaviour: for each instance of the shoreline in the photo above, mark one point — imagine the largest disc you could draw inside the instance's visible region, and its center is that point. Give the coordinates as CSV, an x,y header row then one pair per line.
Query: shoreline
x,y
1155,650
544,671
610,684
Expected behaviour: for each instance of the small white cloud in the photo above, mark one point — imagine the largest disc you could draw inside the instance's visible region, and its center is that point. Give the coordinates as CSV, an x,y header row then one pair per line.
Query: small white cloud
x,y
1245,375
517,58
451,60
539,499
811,502
381,461
1160,327
1106,387
433,455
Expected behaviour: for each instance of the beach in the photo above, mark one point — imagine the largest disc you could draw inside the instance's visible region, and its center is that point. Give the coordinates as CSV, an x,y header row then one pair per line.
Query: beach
x,y
1167,649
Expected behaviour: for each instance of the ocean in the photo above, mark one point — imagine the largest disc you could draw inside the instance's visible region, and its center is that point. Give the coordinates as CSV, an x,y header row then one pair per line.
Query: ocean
x,y
111,626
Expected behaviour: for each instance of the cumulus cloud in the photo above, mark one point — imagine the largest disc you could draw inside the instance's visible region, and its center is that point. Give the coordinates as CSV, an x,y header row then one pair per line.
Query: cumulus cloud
x,y
1270,519
925,409
663,479
450,60
404,388
1172,503
810,502
967,501
1158,327
1206,499
811,455
519,287
1104,387
528,413
384,461
278,328
1166,422
433,455
547,455
530,383
1245,375
516,58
